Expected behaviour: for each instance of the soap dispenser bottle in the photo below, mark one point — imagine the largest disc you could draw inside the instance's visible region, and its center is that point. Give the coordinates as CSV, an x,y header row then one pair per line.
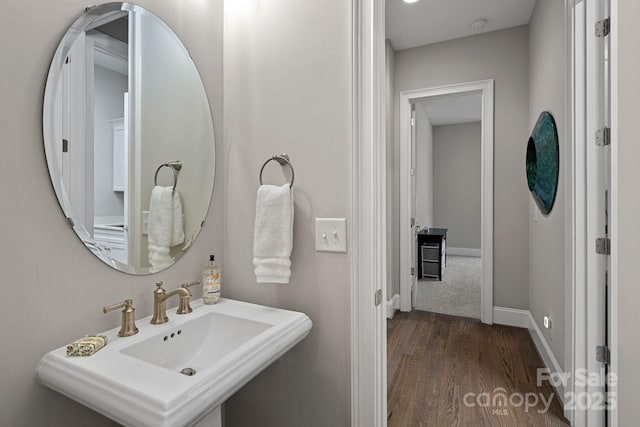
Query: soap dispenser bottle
x,y
211,281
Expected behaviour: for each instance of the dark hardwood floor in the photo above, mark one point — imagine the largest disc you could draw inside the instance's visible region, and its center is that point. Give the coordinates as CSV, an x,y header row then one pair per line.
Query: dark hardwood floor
x,y
453,371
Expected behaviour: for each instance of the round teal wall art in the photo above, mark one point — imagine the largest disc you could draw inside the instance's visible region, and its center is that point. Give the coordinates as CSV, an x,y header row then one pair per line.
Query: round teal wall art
x,y
543,163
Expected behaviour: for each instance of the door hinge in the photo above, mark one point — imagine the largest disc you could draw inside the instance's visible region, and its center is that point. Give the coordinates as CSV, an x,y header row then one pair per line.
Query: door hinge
x,y
603,136
378,297
413,271
71,223
603,27
603,354
413,121
603,246
65,145
412,222
412,171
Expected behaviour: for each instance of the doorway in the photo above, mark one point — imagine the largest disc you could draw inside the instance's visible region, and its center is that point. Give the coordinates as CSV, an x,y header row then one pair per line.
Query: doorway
x,y
448,204
409,251
369,59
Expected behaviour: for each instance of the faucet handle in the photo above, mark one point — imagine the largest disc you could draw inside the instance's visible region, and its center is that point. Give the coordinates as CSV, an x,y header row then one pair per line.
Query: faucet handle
x,y
128,327
159,291
184,306
190,284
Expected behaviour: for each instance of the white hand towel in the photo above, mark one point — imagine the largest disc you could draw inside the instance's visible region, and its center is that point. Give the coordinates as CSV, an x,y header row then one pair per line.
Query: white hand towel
x,y
273,234
166,228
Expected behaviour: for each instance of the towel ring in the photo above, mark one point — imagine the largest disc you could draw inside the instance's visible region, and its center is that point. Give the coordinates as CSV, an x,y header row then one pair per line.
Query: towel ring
x,y
175,166
283,159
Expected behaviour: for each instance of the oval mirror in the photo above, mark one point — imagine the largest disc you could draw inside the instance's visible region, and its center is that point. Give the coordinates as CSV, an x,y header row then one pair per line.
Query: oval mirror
x,y
128,137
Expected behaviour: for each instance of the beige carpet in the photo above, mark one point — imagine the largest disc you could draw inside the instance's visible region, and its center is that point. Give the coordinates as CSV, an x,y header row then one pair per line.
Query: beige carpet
x,y
458,293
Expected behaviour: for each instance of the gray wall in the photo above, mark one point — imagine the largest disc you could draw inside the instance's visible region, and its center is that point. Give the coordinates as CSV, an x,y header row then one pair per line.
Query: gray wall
x,y
54,288
547,233
424,164
287,67
502,56
457,178
393,197
628,176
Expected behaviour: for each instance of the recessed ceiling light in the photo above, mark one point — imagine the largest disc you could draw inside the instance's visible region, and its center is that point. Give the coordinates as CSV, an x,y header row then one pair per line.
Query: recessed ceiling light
x,y
479,24
410,1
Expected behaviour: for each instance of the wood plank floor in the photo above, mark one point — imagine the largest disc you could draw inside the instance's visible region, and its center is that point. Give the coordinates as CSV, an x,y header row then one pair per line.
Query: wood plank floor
x,y
439,366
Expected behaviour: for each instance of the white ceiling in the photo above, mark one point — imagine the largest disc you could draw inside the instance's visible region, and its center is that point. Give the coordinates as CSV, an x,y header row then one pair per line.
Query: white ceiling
x,y
449,110
431,21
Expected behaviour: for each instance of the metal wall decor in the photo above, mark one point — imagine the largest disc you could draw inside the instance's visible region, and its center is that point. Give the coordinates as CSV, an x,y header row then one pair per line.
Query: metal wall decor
x,y
543,162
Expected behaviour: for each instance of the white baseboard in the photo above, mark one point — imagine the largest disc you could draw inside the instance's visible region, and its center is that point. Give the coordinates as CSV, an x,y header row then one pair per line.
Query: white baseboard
x,y
524,319
470,252
393,304
511,317
547,355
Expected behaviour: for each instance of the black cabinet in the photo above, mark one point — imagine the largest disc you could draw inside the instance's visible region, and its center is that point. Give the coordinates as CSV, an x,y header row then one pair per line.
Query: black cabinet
x,y
432,252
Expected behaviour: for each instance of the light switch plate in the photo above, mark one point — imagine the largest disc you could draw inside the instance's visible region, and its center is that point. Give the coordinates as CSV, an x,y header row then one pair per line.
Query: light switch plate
x,y
331,234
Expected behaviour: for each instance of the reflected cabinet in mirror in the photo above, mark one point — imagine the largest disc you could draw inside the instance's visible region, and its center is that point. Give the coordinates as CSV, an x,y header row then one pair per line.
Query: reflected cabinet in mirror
x,y
128,136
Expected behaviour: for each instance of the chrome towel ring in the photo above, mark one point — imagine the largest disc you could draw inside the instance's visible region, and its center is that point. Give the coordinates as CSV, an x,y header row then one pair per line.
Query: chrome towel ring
x,y
175,166
283,159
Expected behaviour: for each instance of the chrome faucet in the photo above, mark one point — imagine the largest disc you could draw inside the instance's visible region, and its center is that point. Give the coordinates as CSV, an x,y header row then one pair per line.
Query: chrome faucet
x,y
160,297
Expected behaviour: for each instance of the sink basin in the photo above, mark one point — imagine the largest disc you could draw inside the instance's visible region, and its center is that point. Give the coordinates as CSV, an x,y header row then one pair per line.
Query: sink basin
x,y
180,372
197,342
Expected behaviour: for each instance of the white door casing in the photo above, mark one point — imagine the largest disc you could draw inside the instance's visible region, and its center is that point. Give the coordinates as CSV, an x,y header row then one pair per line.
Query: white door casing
x,y
485,87
598,201
368,249
412,213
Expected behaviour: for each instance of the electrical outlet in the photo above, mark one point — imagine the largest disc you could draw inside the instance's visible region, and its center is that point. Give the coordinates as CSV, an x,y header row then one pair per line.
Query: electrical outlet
x,y
547,322
331,235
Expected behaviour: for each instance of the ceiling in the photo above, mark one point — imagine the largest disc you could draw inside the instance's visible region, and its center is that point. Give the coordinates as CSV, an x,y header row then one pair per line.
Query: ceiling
x,y
431,21
454,109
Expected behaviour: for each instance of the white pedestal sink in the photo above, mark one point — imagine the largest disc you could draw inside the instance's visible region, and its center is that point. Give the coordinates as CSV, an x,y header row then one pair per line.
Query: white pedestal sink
x,y
180,372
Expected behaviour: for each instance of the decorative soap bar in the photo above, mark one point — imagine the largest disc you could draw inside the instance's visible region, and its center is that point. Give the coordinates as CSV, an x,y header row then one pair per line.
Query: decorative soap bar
x,y
86,346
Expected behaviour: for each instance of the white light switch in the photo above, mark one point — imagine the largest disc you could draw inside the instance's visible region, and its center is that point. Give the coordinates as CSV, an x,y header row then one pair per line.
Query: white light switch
x,y
331,235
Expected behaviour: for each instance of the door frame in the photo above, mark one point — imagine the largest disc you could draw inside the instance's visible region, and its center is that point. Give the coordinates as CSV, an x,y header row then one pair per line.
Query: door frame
x,y
368,210
486,88
575,205
600,326
615,196
368,355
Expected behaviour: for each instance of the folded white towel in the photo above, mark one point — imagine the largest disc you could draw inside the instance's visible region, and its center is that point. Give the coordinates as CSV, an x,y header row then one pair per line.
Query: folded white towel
x,y
166,228
273,234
